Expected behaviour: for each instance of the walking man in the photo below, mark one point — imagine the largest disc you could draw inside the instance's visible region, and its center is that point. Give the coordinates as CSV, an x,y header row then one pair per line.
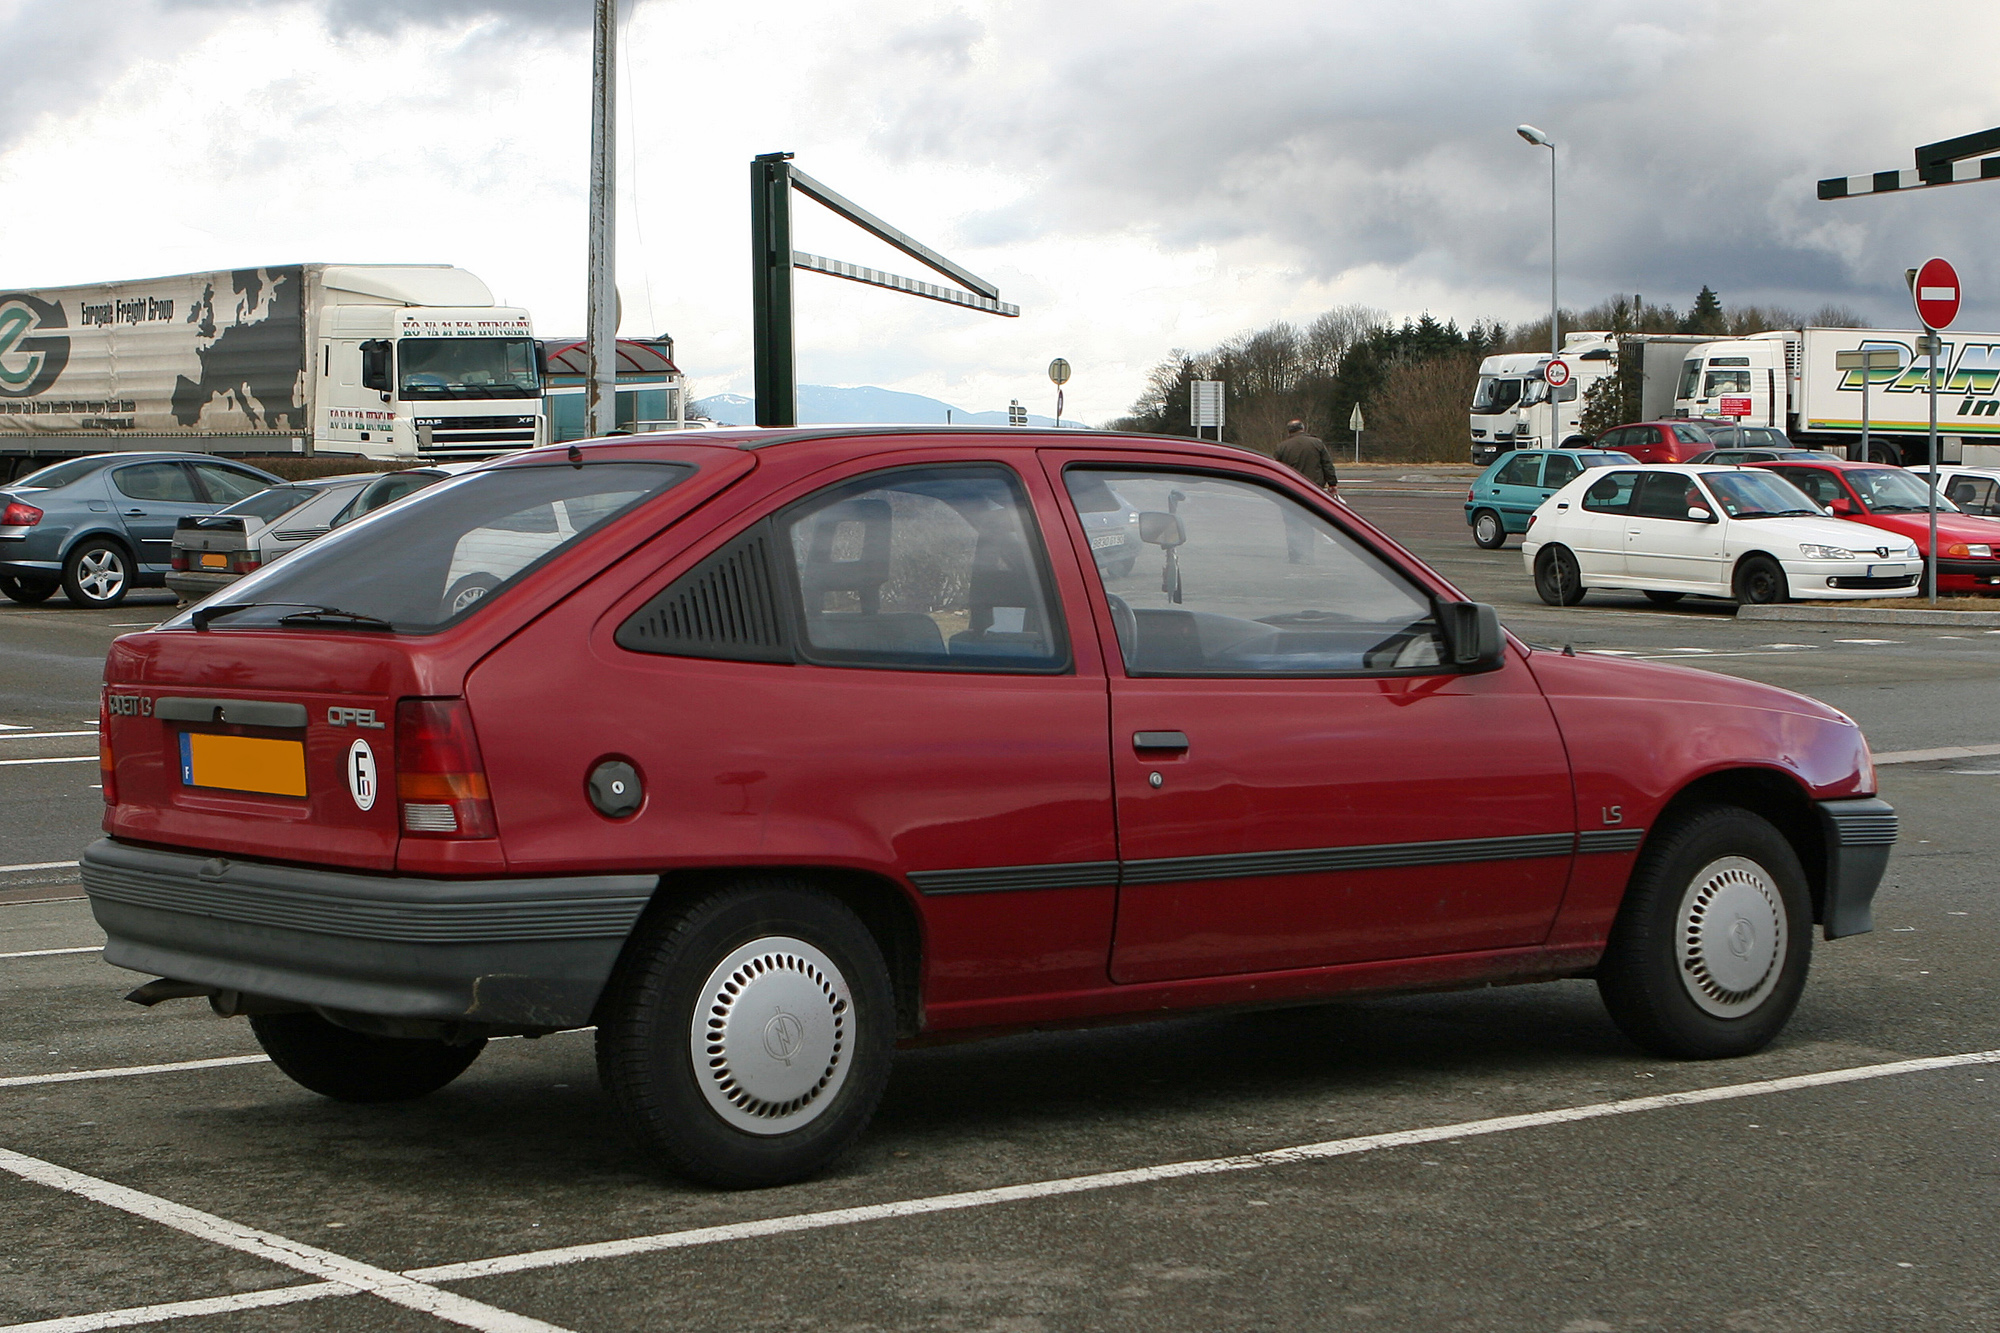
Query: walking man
x,y
1308,456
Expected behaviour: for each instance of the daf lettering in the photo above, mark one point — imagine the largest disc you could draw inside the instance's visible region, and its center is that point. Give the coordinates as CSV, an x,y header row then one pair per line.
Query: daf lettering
x,y
352,717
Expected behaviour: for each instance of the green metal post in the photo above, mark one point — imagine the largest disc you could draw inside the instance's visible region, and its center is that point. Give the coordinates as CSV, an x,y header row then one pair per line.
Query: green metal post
x,y
776,376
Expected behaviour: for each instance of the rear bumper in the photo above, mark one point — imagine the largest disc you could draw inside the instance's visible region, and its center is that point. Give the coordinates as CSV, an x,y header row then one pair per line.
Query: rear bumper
x,y
1858,836
509,953
197,584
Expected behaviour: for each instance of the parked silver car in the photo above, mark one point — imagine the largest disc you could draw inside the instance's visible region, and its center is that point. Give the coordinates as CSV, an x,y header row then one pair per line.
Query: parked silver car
x,y
211,551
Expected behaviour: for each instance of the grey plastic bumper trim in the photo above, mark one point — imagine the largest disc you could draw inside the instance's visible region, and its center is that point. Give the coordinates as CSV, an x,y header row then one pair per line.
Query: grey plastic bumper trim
x,y
1858,836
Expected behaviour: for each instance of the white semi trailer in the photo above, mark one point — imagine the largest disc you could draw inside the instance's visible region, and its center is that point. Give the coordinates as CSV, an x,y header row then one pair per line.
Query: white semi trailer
x,y
365,360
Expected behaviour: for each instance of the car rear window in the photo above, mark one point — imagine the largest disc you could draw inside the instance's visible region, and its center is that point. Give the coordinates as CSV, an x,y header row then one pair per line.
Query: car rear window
x,y
267,505
433,561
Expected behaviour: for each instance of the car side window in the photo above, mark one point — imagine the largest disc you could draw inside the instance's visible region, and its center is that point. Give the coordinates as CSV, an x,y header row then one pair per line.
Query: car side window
x,y
1519,471
168,482
1232,578
1560,470
924,568
226,485
1668,495
1974,494
1611,493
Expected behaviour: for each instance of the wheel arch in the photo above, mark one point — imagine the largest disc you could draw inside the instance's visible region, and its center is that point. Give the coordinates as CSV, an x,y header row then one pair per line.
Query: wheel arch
x,y
883,906
115,536
1771,794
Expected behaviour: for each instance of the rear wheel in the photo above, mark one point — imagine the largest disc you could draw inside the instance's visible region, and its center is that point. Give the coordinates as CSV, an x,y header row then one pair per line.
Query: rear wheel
x,y
747,1038
97,573
355,1067
1882,453
1488,531
1658,598
1558,581
1709,954
25,591
1760,580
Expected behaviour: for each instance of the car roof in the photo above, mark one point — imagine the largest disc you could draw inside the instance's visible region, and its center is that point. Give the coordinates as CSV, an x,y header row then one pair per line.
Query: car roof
x,y
768,437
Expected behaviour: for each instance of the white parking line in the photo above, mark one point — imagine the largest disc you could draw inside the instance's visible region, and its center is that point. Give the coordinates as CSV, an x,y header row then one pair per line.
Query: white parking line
x,y
1943,752
128,1071
45,735
51,953
66,759
39,865
1310,1152
348,1278
335,1269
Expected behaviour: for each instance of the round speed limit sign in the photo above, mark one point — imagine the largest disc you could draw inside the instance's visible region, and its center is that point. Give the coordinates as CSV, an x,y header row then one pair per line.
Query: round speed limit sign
x,y
1557,374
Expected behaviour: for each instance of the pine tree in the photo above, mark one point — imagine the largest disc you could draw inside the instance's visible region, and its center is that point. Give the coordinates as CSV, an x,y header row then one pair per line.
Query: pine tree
x,y
1706,317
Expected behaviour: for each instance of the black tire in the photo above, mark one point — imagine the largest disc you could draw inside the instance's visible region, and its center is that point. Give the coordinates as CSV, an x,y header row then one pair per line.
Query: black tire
x,y
1882,453
1659,598
1122,569
467,590
1710,950
97,573
27,592
740,1114
1760,581
1488,532
355,1067
1558,581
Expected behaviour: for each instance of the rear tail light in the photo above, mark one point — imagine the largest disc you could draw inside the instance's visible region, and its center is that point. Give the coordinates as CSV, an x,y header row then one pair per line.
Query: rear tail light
x,y
106,770
248,564
1468,495
440,780
178,562
18,515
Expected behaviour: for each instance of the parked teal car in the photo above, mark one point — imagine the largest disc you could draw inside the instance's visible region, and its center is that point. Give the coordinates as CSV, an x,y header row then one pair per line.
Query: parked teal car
x,y
1516,484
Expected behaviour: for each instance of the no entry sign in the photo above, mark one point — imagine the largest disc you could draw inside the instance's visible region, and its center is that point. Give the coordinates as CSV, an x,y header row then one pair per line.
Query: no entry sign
x,y
1937,294
1557,374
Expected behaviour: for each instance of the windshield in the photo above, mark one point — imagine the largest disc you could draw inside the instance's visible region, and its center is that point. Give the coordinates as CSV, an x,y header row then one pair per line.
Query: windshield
x,y
1495,394
423,565
1888,490
62,474
267,505
1758,495
1690,376
468,368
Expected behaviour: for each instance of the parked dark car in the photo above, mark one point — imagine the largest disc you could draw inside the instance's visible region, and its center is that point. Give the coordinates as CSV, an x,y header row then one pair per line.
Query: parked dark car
x,y
100,526
1744,457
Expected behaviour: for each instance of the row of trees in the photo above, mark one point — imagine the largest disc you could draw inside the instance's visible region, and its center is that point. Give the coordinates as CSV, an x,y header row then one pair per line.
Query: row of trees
x,y
1413,380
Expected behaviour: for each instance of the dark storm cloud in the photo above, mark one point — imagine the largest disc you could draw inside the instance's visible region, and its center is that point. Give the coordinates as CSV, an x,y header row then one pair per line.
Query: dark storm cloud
x,y
386,16
1690,134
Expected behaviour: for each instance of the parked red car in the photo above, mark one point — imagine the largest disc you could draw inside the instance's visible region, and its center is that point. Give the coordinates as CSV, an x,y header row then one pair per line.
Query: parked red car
x,y
1659,441
1897,500
765,751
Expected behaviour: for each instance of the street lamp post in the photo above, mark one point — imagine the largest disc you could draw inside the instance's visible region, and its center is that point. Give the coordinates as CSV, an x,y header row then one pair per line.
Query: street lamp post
x,y
1541,140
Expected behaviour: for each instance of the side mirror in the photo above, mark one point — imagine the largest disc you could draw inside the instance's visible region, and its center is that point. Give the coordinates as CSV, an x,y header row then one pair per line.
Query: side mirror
x,y
1158,529
1701,515
375,364
1842,506
1472,637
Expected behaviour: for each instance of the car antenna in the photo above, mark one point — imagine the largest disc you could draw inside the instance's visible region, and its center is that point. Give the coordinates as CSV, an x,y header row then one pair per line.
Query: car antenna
x,y
575,455
1569,650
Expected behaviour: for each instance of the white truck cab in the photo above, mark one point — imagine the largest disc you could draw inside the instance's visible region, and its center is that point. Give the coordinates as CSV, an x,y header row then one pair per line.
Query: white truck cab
x,y
1513,408
1747,379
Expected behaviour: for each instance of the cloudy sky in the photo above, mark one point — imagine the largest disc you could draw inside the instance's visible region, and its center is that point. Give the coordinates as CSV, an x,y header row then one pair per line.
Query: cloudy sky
x,y
1135,174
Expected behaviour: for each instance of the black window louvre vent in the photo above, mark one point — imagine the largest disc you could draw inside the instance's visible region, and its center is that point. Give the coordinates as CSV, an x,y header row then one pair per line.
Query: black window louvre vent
x,y
725,607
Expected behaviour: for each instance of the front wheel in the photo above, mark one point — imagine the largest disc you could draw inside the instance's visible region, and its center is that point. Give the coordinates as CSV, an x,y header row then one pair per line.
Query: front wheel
x,y
1488,532
1709,953
1760,581
353,1066
97,574
1558,580
746,1039
25,591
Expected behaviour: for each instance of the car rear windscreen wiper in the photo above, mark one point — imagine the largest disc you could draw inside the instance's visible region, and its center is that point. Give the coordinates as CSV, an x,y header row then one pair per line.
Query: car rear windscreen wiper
x,y
310,613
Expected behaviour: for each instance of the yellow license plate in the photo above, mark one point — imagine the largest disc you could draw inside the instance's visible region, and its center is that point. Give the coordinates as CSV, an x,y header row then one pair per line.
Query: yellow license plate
x,y
243,763
215,562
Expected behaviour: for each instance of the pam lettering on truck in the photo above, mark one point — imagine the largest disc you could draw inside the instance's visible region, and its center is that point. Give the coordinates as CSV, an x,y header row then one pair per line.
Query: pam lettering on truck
x,y
30,360
251,361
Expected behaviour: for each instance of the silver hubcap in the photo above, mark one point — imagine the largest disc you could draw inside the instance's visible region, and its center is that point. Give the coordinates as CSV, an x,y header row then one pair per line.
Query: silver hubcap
x,y
773,1036
1731,937
100,574
1488,526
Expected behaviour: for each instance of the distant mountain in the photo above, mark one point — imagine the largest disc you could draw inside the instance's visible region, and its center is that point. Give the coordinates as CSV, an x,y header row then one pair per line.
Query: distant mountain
x,y
824,405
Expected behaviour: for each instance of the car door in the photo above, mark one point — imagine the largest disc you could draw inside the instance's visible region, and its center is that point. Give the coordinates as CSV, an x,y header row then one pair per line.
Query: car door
x,y
1298,781
1664,546
1595,530
1512,490
151,498
1558,471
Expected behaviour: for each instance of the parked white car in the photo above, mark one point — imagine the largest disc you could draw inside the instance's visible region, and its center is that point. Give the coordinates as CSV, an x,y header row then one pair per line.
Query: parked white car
x,y
1669,530
1976,490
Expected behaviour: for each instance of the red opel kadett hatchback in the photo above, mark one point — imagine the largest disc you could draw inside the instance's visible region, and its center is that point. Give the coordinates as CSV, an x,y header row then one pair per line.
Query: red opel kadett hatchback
x,y
764,751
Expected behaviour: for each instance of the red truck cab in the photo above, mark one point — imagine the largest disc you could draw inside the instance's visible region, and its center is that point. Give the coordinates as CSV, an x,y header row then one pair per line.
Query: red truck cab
x,y
766,751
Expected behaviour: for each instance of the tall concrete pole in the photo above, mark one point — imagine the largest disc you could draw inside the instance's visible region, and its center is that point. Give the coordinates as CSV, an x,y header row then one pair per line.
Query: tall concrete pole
x,y
600,392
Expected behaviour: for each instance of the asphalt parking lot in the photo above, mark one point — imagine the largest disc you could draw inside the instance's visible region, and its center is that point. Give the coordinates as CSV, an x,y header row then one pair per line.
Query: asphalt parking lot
x,y
1499,1159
